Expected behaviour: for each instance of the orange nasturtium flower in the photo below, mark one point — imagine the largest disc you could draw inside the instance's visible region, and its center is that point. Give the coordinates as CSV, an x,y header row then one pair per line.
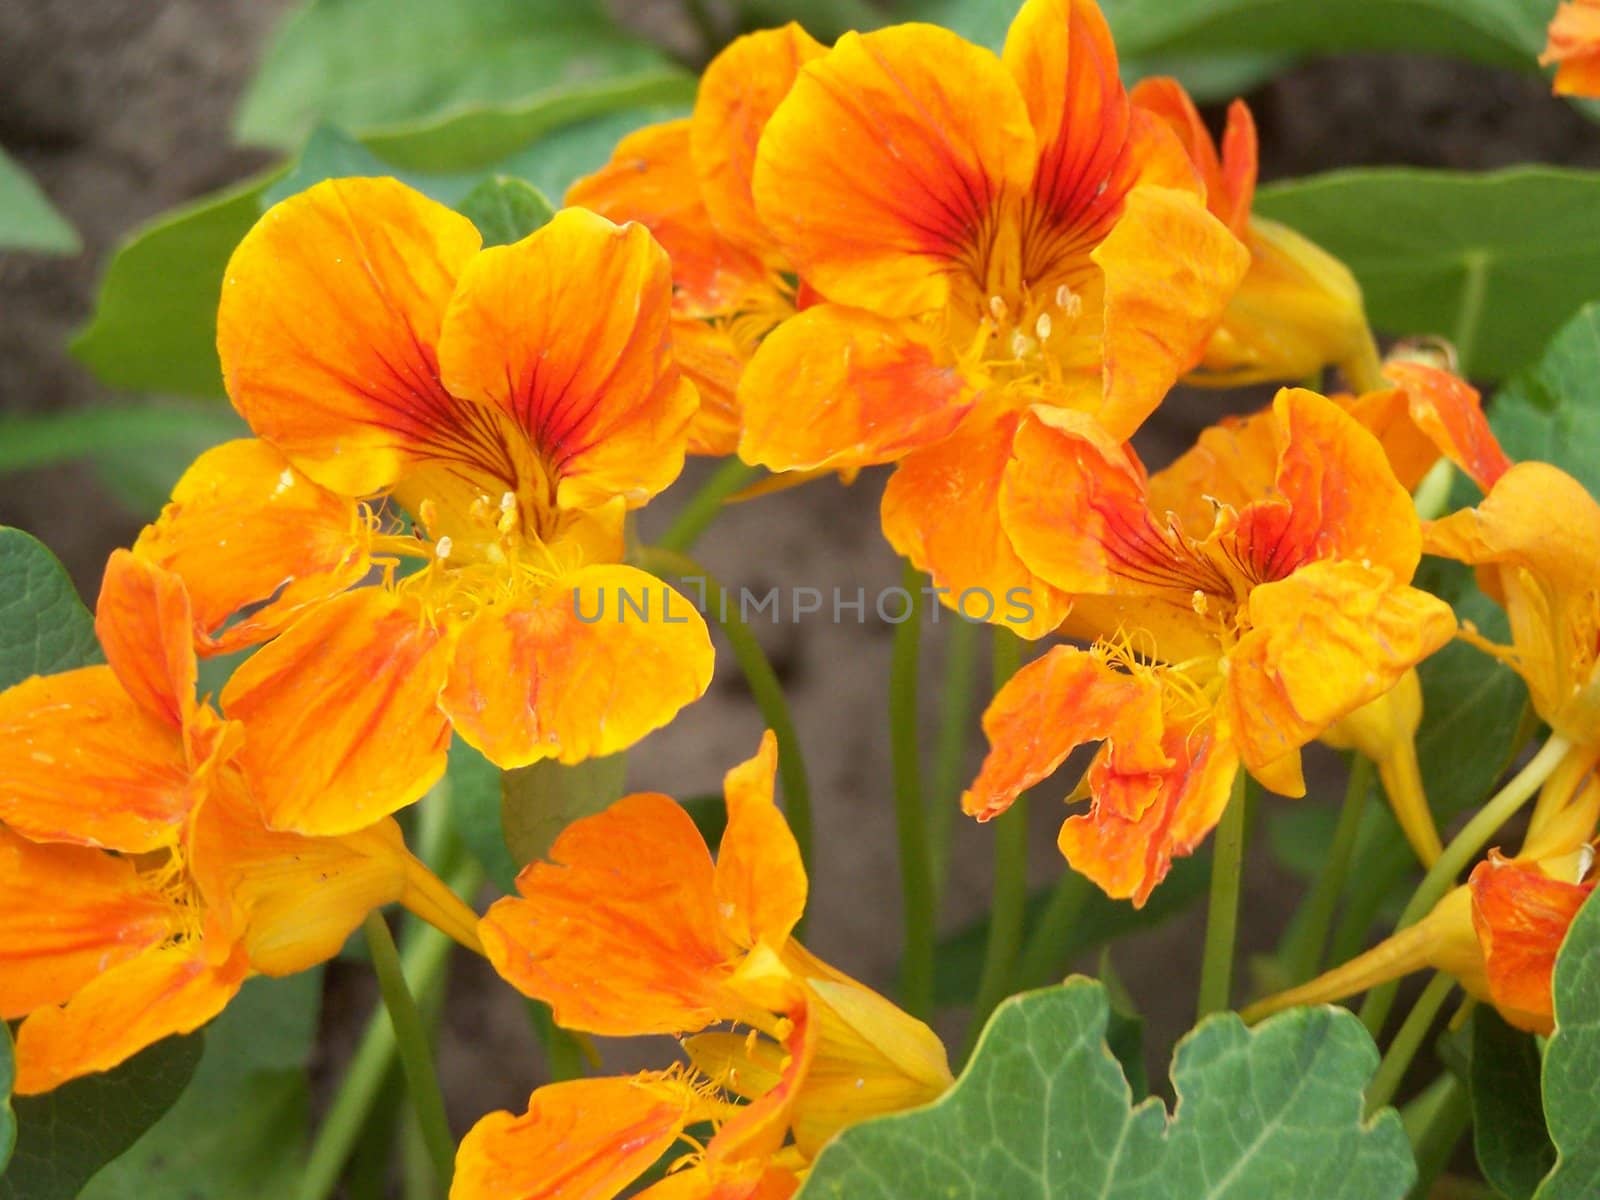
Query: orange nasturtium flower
x,y
514,402
631,929
1298,309
988,233
1245,601
138,885
688,182
1574,45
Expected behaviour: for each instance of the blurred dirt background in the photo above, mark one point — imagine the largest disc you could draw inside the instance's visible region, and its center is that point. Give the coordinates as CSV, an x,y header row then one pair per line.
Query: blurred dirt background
x,y
121,109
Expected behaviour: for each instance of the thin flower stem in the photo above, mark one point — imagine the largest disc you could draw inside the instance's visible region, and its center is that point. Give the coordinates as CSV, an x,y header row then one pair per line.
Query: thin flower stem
x,y
1434,1123
955,721
1407,1041
1463,848
1302,952
1222,915
705,505
761,680
416,1051
1042,958
910,813
1008,910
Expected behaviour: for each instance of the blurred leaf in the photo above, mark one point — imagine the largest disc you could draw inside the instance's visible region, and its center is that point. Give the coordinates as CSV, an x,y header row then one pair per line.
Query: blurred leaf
x,y
505,210
122,430
8,1120
1551,411
1572,1063
825,20
44,627
329,153
1495,262
1043,1113
475,811
143,480
1507,1119
1124,1026
1211,78
710,816
364,64
65,1136
556,161
240,1129
28,221
538,802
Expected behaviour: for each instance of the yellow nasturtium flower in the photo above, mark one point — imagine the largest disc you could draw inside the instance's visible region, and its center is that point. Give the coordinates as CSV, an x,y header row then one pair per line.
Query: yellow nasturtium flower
x,y
631,929
514,402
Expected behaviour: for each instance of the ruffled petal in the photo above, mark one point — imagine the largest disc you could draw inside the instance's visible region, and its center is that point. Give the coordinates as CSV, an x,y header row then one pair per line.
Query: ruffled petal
x,y
1521,916
760,880
329,323
144,625
581,669
1446,409
619,933
341,714
1229,177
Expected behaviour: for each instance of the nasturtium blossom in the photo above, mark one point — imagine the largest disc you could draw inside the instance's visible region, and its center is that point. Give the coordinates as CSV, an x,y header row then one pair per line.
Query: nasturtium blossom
x,y
631,929
138,885
513,403
688,182
986,234
1298,309
1574,46
1244,601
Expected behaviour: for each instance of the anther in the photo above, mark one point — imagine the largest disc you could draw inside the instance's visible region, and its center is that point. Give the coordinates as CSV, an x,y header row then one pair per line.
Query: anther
x,y
1042,327
1021,343
427,513
508,501
442,548
997,308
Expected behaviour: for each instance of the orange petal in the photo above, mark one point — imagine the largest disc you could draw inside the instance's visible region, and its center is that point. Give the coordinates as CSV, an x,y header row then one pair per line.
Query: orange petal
x,y
586,1139
839,387
760,881
1574,43
329,323
1446,409
169,990
1234,462
67,913
1323,642
885,162
583,668
1051,707
712,358
941,510
1521,916
568,333
759,1129
739,90
246,531
88,764
341,714
619,932
752,1180
143,622
1230,179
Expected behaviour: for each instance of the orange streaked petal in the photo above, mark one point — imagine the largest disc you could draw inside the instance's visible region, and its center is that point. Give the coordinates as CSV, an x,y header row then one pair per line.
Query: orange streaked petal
x,y
619,933
246,531
586,1139
713,359
739,91
1323,642
1521,916
839,387
329,322
1446,409
1574,43
169,990
144,625
879,170
88,764
1051,707
760,881
67,913
341,714
584,668
941,510
758,1130
1229,178
568,332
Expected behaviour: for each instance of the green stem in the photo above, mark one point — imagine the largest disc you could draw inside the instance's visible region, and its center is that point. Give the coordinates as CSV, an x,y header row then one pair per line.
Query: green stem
x,y
1042,960
1469,316
705,505
563,1052
1434,1122
761,680
1407,1041
416,1053
1302,951
1222,915
1008,910
955,721
1463,848
910,814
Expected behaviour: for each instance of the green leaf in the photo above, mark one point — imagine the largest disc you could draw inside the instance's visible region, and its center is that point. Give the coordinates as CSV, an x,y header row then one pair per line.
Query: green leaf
x,y
28,221
538,802
1507,1121
364,64
44,627
1551,411
8,1077
475,810
122,430
64,1137
1043,1113
240,1129
505,210
1572,1064
1495,262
